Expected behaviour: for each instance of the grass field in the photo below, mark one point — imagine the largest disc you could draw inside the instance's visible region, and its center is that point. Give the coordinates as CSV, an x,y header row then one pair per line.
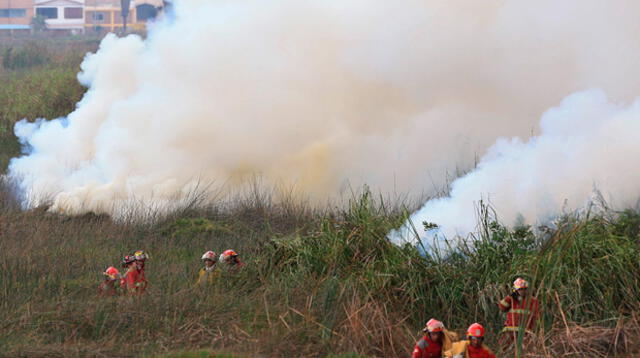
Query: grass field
x,y
37,80
320,282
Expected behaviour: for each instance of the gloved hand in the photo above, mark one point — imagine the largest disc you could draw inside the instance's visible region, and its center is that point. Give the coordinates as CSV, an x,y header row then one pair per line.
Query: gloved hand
x,y
458,356
515,295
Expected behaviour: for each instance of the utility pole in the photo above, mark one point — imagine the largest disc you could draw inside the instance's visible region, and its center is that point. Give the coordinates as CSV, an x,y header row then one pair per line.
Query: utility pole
x,y
124,10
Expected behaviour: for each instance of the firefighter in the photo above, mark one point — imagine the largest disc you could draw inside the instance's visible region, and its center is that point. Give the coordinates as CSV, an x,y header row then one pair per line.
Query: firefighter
x,y
131,282
108,287
141,259
473,347
231,259
435,341
522,312
210,272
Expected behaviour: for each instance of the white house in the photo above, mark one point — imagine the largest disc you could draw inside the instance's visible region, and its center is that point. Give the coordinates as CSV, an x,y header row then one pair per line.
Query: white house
x,y
62,14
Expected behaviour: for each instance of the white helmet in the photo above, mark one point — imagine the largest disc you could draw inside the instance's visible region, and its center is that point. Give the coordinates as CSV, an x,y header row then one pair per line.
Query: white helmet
x,y
209,255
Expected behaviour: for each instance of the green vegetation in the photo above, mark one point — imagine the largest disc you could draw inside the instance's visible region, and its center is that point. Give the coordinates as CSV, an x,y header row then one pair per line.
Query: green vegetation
x,y
326,283
38,79
319,283
29,55
39,23
45,92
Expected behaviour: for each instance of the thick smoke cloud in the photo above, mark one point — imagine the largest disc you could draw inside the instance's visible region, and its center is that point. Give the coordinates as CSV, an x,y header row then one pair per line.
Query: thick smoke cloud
x,y
588,148
315,94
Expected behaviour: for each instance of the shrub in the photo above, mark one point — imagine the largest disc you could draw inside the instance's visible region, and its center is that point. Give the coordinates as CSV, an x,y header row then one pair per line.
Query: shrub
x,y
29,55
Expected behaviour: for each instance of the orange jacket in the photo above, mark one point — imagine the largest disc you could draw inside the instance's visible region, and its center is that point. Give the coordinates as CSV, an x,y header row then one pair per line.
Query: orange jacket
x,y
520,313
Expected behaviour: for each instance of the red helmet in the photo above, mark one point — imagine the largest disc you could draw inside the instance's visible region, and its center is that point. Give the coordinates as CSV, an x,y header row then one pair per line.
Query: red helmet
x,y
228,254
112,273
433,326
475,330
520,283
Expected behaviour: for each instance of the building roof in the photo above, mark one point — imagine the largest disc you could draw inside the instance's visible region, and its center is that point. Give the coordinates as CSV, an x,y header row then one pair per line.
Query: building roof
x,y
59,3
115,4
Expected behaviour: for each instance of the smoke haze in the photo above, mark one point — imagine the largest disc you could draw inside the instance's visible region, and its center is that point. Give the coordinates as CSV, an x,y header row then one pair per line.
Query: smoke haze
x,y
317,93
587,144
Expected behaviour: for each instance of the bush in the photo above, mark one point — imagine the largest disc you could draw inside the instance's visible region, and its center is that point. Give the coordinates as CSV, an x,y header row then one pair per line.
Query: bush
x,y
45,92
29,55
39,23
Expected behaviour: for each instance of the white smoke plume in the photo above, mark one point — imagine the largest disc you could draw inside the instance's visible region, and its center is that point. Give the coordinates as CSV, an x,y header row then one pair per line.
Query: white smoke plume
x,y
316,93
586,143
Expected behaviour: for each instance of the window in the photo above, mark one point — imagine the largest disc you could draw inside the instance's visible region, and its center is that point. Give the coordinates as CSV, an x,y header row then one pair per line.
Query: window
x,y
13,13
73,13
98,16
47,12
145,12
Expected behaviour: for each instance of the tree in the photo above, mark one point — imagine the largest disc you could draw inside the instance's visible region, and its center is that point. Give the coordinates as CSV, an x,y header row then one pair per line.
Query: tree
x,y
38,23
124,10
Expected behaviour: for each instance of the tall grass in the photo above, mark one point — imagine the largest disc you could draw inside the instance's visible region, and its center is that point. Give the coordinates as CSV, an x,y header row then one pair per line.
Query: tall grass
x,y
22,53
46,92
37,80
329,283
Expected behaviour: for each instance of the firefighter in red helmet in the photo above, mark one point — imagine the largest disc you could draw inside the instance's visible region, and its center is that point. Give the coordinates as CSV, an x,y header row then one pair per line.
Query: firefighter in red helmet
x,y
436,340
107,287
522,312
141,258
231,260
131,282
472,347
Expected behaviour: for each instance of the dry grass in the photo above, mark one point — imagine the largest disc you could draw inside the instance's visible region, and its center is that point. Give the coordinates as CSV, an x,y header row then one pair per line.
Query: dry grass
x,y
367,320
318,282
574,340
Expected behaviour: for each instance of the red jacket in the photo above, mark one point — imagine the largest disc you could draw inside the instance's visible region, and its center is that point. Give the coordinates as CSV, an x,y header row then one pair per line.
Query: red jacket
x,y
132,282
480,352
233,267
524,312
426,348
142,280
